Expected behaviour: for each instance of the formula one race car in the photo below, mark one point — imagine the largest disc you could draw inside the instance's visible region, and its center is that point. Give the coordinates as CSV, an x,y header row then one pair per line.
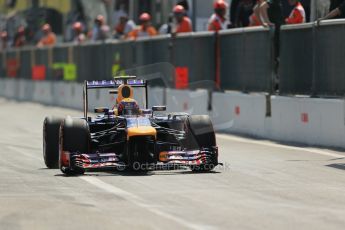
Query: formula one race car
x,y
127,136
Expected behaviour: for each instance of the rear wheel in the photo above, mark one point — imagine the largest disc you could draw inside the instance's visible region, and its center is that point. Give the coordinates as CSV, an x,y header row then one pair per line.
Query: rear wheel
x,y
200,134
74,138
51,128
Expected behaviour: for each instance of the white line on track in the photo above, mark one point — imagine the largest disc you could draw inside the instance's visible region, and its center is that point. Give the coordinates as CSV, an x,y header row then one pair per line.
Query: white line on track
x,y
274,145
134,199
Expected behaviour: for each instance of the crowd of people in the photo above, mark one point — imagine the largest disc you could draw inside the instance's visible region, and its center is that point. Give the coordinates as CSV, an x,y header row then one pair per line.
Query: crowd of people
x,y
264,13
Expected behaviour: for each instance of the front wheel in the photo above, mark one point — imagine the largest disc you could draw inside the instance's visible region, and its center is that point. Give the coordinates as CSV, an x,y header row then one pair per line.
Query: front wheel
x,y
51,127
201,135
74,138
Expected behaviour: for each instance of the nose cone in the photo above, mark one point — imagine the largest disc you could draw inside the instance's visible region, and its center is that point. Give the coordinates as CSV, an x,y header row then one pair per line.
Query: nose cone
x,y
141,131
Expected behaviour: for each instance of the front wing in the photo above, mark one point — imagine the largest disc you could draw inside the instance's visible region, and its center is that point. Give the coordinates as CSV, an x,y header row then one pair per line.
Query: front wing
x,y
168,158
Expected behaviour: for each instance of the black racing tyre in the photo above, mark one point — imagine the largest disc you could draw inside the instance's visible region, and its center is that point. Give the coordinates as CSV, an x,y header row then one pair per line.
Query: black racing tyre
x,y
51,127
200,134
74,137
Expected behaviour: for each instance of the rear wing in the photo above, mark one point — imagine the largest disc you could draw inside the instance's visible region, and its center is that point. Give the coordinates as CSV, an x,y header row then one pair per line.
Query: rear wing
x,y
112,84
115,83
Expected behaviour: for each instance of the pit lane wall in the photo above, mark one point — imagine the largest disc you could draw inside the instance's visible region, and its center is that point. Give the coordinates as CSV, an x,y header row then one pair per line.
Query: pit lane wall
x,y
310,121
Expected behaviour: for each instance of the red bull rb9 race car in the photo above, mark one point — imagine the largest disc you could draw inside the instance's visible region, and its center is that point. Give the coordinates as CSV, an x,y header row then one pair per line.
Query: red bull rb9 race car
x,y
127,136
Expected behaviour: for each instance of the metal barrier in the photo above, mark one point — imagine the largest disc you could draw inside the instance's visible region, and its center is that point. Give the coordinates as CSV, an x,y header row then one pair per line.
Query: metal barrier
x,y
242,59
25,63
117,57
330,56
11,63
90,60
296,59
311,60
149,51
196,52
246,59
203,60
43,58
2,65
61,53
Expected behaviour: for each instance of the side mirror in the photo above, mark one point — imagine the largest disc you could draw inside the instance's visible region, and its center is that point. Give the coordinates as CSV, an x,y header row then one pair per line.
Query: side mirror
x,y
160,108
102,110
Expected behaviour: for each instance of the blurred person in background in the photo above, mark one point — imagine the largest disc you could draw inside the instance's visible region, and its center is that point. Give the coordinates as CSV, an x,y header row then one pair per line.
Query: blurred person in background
x,y
185,5
271,13
218,20
49,37
4,40
240,12
297,15
255,18
183,24
337,10
19,37
77,14
145,29
124,27
167,27
100,30
120,11
79,36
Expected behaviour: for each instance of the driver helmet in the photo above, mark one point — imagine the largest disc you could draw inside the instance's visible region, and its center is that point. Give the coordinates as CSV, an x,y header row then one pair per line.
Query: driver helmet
x,y
128,106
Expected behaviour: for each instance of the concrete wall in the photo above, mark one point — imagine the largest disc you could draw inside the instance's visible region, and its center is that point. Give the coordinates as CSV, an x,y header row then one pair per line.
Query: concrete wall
x,y
310,121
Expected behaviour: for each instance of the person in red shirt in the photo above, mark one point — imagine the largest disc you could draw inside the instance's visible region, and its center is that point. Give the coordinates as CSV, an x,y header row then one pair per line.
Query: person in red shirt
x,y
297,15
183,23
218,20
49,37
145,29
